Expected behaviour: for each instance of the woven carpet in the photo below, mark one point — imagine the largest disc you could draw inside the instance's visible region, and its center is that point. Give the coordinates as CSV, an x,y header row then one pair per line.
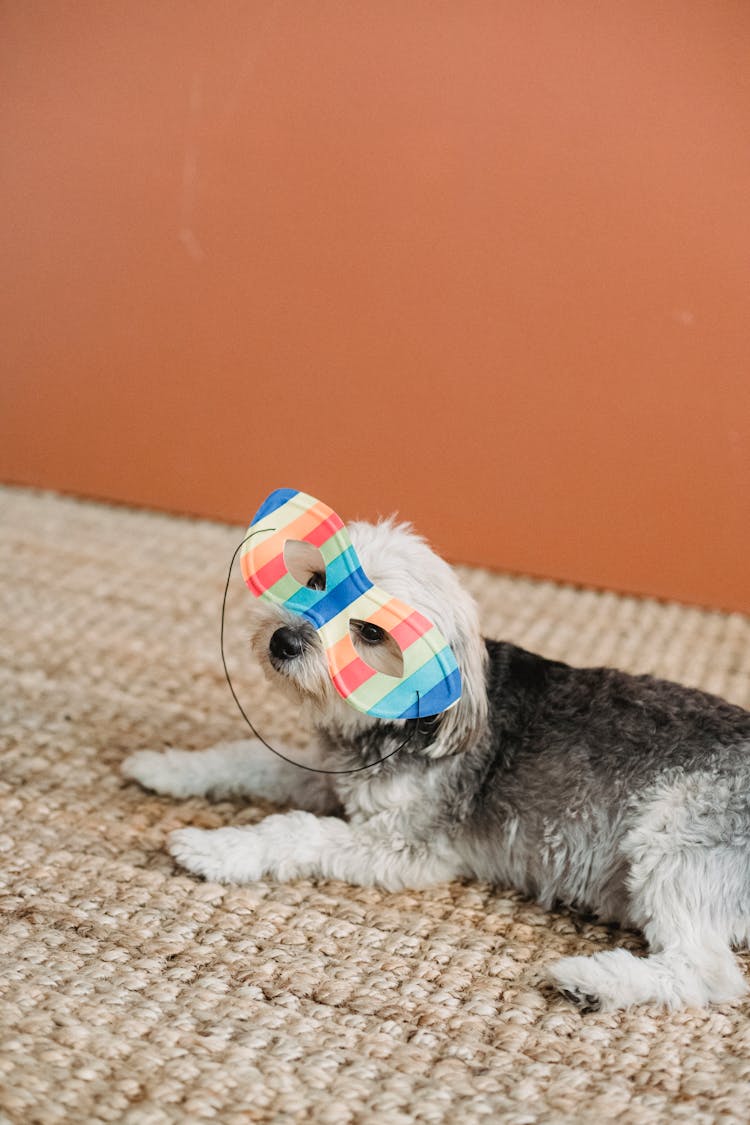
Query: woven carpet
x,y
132,992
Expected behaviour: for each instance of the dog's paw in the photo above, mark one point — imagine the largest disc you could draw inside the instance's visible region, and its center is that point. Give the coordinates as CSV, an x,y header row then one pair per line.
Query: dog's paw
x,y
166,773
584,1001
221,855
587,984
194,849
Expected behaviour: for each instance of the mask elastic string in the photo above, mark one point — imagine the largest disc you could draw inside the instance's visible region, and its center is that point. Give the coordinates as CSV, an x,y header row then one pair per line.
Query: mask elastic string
x,y
310,769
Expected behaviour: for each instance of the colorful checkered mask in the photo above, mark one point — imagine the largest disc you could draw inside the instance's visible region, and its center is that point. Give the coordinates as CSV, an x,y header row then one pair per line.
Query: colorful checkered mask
x,y
431,681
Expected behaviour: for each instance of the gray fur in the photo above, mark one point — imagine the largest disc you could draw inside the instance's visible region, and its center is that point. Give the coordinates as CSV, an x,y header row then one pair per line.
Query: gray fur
x,y
546,795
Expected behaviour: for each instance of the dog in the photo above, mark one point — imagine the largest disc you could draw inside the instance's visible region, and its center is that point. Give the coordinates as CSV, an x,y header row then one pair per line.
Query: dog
x,y
623,796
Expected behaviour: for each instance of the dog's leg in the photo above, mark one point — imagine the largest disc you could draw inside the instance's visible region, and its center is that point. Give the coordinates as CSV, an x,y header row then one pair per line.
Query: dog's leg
x,y
689,857
298,845
680,975
232,769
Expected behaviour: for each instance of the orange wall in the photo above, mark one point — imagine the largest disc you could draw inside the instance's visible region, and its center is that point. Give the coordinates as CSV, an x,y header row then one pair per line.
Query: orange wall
x,y
486,263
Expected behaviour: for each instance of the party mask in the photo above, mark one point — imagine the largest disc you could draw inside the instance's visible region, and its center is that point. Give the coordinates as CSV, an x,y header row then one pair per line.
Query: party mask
x,y
431,681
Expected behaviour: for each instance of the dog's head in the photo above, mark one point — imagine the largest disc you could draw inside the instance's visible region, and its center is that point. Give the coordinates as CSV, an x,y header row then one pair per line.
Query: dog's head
x,y
401,563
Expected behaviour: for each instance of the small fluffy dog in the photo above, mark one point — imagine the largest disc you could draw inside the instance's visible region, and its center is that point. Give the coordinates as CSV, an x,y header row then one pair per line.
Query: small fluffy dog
x,y
625,796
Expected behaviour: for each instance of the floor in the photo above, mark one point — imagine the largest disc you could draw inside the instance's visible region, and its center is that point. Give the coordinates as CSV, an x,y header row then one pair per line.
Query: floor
x,y
132,992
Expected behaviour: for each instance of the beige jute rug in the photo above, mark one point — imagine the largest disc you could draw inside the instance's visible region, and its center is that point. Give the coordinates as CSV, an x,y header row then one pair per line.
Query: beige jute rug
x,y
132,992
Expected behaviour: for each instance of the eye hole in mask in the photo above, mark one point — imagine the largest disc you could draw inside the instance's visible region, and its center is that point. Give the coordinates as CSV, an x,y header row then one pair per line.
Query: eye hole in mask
x,y
305,563
377,648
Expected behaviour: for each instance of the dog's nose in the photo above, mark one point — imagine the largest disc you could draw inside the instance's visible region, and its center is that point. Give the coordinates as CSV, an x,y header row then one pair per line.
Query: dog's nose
x,y
286,643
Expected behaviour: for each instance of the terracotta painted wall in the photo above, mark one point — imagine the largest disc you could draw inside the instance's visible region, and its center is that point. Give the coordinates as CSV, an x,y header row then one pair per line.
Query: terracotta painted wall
x,y
486,263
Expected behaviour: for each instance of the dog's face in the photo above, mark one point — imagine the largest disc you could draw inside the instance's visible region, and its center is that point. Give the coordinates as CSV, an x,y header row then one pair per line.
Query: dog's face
x,y
401,563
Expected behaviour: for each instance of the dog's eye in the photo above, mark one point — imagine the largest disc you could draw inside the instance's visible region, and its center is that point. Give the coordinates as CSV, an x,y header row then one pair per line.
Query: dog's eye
x,y
379,650
370,634
316,581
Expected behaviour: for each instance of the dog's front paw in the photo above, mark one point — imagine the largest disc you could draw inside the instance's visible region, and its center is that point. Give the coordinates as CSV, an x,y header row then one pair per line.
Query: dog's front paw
x,y
195,849
221,855
152,770
173,773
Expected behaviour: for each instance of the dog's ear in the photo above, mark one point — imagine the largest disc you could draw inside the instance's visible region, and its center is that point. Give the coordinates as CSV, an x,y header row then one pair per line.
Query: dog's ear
x,y
462,724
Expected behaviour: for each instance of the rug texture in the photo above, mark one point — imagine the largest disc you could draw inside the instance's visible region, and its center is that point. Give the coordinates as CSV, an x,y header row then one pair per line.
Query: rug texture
x,y
133,992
